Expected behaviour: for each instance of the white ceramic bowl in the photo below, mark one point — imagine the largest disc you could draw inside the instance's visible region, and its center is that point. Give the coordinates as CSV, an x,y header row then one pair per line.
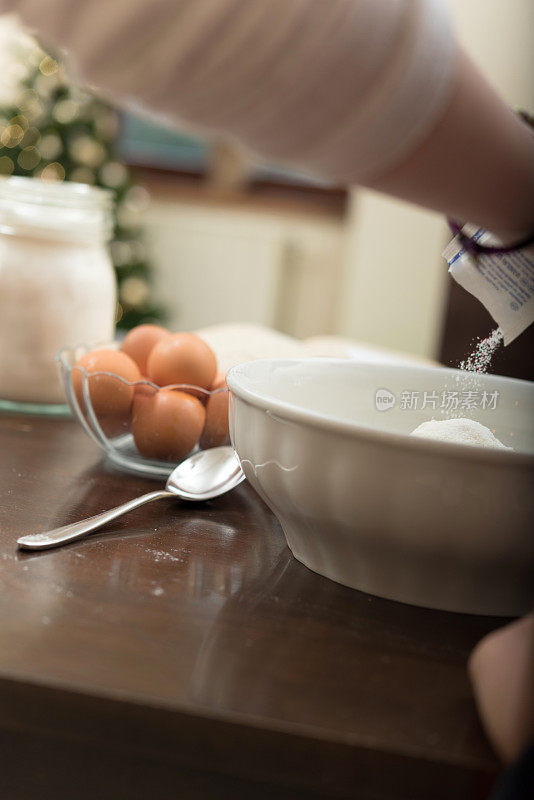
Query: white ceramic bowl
x,y
360,501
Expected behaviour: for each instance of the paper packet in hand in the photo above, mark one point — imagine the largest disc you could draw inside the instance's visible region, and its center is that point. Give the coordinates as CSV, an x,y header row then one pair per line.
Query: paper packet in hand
x,y
503,282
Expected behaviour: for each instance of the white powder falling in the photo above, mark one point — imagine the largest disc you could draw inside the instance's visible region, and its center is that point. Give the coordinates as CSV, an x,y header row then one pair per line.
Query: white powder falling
x,y
480,359
461,431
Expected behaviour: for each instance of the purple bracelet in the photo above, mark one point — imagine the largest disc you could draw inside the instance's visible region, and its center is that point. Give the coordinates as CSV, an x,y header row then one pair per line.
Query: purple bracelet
x,y
470,244
475,249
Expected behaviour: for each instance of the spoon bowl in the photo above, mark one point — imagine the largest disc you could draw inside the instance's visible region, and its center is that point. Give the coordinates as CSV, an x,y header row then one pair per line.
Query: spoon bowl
x,y
206,474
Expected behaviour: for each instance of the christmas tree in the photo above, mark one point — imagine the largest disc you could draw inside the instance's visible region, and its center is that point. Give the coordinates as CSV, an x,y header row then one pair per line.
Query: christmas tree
x,y
55,131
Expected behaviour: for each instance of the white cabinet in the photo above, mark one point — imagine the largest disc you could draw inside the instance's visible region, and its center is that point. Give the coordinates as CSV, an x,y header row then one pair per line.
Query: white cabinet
x,y
223,264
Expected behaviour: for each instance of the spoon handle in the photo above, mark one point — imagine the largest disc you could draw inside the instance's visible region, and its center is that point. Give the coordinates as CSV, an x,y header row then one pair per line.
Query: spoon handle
x,y
77,530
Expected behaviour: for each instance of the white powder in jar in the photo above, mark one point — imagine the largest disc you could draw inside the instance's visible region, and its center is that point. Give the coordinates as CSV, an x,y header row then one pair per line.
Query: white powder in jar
x,y
461,431
57,285
53,294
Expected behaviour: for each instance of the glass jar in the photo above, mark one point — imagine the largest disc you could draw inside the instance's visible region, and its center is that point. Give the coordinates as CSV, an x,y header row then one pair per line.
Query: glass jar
x,y
57,284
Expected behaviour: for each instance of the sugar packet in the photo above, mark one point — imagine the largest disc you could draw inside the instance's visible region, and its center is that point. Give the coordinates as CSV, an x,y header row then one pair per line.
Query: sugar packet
x,y
503,282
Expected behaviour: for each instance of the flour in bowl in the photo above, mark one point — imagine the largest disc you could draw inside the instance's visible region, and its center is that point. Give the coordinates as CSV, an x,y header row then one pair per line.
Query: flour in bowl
x,y
461,431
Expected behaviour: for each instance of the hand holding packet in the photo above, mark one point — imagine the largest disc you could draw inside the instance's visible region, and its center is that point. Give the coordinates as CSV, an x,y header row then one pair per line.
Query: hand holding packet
x,y
502,281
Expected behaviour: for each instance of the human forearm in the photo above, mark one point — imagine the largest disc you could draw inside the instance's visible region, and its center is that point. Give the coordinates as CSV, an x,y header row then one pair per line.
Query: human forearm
x,y
476,165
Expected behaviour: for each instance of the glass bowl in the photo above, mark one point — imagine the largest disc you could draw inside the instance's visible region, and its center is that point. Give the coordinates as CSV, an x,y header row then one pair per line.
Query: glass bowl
x,y
113,433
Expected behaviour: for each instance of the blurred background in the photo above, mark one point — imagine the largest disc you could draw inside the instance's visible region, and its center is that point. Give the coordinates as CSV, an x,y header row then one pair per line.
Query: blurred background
x,y
205,235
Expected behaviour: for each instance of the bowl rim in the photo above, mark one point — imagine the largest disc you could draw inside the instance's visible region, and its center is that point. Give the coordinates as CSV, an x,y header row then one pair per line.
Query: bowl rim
x,y
298,414
61,358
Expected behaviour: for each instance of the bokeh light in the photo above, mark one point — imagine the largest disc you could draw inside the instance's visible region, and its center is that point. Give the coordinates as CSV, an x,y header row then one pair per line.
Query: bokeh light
x,y
50,146
6,165
83,175
134,291
29,158
31,137
20,120
65,111
48,66
11,135
53,172
113,174
87,151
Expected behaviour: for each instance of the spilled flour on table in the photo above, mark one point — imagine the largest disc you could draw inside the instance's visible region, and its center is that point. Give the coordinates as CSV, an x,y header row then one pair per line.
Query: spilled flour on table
x,y
161,555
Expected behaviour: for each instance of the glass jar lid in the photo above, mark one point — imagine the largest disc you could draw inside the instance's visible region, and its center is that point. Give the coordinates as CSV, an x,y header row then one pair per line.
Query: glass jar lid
x,y
50,210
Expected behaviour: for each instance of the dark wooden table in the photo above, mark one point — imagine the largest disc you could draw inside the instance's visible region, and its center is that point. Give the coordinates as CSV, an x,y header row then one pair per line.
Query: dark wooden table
x,y
184,653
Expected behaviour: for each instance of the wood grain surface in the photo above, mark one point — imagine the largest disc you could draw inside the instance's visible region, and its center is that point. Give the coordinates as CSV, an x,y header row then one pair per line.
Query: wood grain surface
x,y
183,653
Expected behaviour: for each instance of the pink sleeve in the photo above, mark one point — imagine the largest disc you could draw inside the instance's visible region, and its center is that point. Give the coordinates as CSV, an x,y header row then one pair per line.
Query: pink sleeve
x,y
341,88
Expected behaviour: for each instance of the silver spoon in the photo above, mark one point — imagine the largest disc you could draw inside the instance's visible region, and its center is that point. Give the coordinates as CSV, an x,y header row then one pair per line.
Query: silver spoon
x,y
204,475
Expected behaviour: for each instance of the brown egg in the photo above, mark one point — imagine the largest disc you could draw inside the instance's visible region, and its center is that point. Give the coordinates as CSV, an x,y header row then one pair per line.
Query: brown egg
x,y
167,424
215,431
182,358
139,342
111,398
